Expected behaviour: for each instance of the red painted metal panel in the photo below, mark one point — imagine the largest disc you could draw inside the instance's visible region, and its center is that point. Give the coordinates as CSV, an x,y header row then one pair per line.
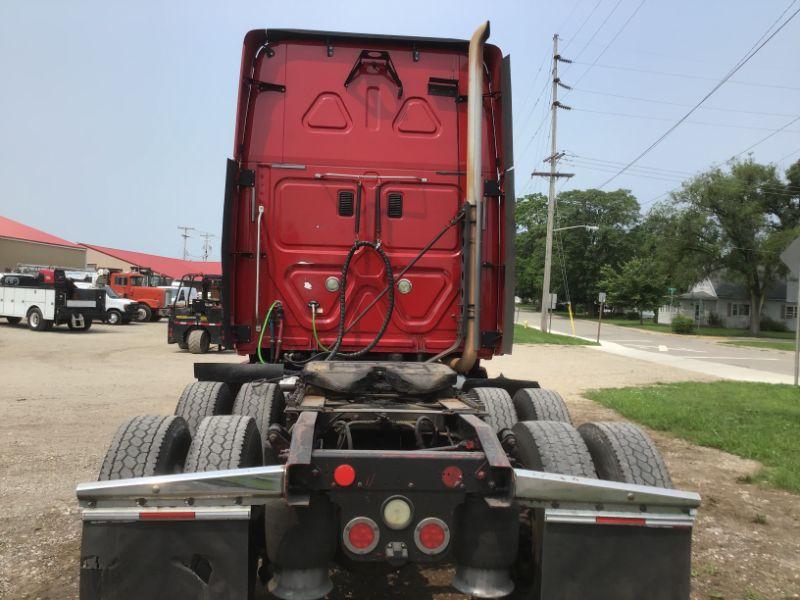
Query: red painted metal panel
x,y
317,138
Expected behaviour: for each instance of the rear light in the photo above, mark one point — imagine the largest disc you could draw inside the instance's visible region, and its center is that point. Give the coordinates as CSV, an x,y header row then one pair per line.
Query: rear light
x,y
361,535
397,512
620,521
344,475
431,535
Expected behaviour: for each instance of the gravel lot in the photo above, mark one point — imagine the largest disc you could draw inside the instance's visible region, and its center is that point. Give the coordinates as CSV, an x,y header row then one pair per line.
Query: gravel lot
x,y
63,394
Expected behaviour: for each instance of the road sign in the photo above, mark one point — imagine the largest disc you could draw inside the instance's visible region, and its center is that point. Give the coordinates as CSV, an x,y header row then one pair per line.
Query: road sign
x,y
672,291
553,301
601,297
791,257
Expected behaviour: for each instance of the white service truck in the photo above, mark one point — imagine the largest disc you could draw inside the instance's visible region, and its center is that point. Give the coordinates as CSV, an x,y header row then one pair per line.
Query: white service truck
x,y
49,298
119,310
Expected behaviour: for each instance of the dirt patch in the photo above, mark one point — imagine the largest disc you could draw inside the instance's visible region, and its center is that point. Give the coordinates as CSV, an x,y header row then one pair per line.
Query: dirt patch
x,y
62,396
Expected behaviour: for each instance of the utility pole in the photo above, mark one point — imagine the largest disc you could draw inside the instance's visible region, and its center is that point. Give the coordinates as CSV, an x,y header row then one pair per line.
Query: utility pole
x,y
206,244
553,175
185,235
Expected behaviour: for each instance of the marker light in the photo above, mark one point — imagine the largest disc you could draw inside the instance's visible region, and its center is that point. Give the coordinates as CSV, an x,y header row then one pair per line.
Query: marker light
x,y
361,535
397,512
431,535
344,475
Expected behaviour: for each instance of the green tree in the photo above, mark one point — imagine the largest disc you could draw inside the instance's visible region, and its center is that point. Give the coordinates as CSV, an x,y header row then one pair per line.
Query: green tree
x,y
737,221
578,254
639,283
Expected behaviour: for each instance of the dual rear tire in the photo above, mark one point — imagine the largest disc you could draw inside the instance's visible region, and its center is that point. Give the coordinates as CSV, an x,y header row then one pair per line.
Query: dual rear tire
x,y
547,441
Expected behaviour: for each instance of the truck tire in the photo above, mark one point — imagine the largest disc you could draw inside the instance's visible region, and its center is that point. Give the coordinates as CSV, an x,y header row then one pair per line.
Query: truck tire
x,y
201,399
183,345
147,445
87,324
552,447
198,341
623,452
14,320
155,317
113,317
36,320
224,442
499,406
537,404
144,313
265,403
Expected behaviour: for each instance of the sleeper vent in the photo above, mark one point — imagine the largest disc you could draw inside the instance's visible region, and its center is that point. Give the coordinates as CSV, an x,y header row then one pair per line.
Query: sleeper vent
x,y
395,209
346,203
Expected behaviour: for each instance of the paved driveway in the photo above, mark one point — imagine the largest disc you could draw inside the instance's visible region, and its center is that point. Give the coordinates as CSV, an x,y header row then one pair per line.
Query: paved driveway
x,y
700,354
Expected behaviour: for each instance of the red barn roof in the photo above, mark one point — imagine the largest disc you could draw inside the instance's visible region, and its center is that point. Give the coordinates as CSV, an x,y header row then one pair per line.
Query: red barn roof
x,y
171,267
17,231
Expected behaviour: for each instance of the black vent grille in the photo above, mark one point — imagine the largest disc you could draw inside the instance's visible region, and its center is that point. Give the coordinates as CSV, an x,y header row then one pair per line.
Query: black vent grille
x,y
346,203
395,209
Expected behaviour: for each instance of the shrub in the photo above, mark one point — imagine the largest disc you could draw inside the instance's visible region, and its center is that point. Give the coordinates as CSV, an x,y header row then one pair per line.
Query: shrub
x,y
768,324
681,324
632,315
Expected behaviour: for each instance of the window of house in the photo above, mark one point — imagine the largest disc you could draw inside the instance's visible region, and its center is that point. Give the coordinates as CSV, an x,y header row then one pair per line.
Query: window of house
x,y
738,310
788,312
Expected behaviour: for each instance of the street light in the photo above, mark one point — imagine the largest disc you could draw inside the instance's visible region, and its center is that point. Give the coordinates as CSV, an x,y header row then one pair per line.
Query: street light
x,y
586,227
545,282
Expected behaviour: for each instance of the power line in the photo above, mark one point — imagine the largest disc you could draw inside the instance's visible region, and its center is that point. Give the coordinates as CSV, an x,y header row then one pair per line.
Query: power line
x,y
667,102
688,76
668,119
613,39
767,137
743,61
586,20
596,31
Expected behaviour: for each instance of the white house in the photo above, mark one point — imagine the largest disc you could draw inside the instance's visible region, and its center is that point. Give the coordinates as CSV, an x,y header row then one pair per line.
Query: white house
x,y
718,301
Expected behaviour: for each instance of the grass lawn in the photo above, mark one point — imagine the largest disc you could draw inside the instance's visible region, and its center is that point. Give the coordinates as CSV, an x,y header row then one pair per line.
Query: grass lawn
x,y
774,345
712,331
535,336
758,421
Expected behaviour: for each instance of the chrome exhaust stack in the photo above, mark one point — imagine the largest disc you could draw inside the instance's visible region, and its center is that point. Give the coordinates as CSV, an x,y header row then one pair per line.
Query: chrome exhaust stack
x,y
475,91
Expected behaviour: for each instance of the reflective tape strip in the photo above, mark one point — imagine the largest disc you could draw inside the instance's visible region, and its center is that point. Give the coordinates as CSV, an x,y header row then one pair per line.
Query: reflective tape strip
x,y
234,513
587,517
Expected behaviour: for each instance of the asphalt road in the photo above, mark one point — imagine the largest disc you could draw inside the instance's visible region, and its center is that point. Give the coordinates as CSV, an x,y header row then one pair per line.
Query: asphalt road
x,y
696,353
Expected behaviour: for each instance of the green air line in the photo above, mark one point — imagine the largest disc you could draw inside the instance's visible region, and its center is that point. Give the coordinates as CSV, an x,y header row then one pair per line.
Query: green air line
x,y
314,329
263,329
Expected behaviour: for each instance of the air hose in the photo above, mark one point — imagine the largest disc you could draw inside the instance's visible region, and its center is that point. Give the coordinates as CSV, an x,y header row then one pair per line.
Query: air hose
x,y
334,351
314,328
264,328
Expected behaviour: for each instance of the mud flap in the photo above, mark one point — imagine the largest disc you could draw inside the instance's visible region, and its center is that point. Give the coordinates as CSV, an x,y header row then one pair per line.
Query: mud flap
x,y
175,560
614,562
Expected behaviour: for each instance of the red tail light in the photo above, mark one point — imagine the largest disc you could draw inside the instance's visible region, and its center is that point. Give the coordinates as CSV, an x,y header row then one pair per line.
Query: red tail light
x,y
432,535
361,535
344,475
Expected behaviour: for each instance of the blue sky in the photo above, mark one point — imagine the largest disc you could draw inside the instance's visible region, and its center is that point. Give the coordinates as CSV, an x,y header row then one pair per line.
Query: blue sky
x,y
116,117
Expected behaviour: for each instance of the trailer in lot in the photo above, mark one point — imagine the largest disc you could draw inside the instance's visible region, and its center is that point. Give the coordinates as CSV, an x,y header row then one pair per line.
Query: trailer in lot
x,y
368,268
49,298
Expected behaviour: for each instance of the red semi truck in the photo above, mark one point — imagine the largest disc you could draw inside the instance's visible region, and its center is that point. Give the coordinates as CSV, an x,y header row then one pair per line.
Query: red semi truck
x,y
368,268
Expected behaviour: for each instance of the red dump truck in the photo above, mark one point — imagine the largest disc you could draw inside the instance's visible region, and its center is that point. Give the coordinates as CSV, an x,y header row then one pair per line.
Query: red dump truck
x,y
368,269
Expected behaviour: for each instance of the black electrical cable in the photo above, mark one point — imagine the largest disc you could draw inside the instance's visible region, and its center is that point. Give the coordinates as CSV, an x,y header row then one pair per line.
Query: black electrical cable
x,y
334,351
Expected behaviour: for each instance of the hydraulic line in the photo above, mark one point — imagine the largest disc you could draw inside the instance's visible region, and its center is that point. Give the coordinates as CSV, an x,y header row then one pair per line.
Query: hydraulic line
x,y
334,351
263,328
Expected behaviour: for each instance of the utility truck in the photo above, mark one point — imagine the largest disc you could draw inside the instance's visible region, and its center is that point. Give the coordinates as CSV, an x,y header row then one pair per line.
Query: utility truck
x,y
368,269
47,298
